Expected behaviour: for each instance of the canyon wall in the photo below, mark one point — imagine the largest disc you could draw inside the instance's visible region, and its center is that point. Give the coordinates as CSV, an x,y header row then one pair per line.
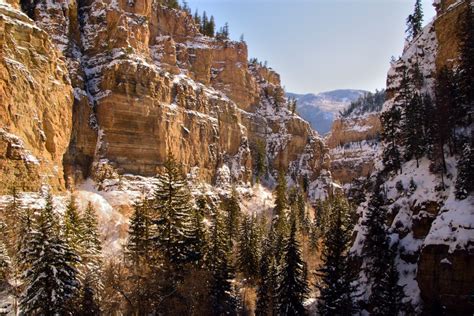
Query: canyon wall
x,y
145,82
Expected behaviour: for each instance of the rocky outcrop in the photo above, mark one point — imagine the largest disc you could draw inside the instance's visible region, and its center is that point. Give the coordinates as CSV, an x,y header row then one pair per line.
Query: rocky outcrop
x,y
353,143
36,104
446,279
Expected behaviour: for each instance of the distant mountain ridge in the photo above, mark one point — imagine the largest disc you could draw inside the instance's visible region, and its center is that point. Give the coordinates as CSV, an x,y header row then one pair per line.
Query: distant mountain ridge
x,y
321,109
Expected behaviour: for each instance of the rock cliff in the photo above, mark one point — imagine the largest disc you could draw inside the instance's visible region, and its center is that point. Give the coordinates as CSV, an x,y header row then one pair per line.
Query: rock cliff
x,y
146,83
353,145
36,104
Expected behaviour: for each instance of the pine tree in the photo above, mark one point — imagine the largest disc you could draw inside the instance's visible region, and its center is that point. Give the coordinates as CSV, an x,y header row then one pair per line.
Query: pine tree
x,y
197,20
232,209
260,165
247,256
466,64
293,287
12,214
336,274
198,233
387,294
220,266
72,227
280,222
51,281
173,215
429,125
413,130
92,263
266,281
4,259
465,178
445,103
391,156
211,26
140,233
414,21
204,23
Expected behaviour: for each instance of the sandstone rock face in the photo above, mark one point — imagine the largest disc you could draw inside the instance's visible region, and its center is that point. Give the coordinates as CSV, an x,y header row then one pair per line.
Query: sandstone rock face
x,y
353,143
146,83
446,278
36,104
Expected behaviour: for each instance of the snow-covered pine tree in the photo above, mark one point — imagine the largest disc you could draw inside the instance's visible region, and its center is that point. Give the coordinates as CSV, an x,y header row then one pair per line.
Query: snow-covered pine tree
x,y
336,273
388,292
391,156
247,256
444,123
172,216
280,221
12,214
415,20
198,233
266,279
223,302
139,233
92,262
233,214
413,130
429,125
465,178
293,286
4,258
72,228
51,280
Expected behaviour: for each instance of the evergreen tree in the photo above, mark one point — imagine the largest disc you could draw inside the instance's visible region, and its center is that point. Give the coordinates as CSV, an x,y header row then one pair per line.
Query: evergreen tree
x,y
280,222
414,137
266,282
92,263
12,214
204,23
4,259
260,165
387,294
247,256
72,229
465,178
391,156
466,64
429,125
220,266
139,233
198,233
336,274
211,26
414,21
444,123
232,209
293,287
197,20
173,215
51,281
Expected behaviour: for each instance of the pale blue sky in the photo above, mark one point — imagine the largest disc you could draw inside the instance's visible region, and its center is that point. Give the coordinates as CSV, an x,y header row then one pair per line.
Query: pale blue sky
x,y
319,45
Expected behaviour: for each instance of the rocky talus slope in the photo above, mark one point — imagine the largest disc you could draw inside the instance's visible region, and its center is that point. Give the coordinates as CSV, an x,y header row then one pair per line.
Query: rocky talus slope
x,y
434,230
121,83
